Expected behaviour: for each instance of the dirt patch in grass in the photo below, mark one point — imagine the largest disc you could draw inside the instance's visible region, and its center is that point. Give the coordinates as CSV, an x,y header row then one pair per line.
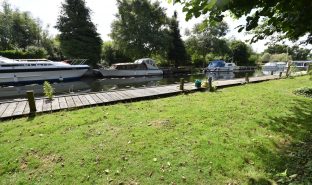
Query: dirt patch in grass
x,y
34,159
161,123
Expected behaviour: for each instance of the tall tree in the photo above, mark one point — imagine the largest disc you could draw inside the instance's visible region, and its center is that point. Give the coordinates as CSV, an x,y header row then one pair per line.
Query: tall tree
x,y
78,37
177,52
296,52
276,49
140,29
293,19
241,52
206,43
18,29
111,55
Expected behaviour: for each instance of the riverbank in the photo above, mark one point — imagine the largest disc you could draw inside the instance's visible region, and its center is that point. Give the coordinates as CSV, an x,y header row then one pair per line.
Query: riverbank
x,y
239,135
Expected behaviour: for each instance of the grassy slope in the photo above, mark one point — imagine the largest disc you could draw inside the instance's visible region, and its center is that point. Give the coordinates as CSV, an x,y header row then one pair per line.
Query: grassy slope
x,y
240,135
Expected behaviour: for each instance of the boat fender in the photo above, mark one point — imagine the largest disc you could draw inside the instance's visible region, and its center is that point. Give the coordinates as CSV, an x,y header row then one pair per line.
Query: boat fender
x,y
15,78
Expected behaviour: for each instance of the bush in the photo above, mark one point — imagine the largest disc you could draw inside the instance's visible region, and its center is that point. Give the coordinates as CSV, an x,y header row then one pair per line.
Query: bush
x,y
305,91
13,54
48,90
36,52
31,52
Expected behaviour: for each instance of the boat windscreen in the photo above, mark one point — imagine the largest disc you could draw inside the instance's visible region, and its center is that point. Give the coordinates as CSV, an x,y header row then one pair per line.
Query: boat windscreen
x,y
217,64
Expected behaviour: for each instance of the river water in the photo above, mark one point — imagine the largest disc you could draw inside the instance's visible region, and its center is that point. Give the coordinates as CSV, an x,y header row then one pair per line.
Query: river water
x,y
96,85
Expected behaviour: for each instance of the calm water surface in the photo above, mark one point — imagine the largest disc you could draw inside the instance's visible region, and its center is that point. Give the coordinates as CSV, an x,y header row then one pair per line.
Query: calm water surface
x,y
97,85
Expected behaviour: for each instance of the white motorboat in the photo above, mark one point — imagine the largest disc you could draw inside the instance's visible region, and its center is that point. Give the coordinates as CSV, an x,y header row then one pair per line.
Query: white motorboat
x,y
36,71
141,67
302,65
220,65
274,67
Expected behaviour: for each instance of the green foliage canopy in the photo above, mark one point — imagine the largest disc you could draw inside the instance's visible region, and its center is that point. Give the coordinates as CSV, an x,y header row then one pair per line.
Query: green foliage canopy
x,y
177,52
296,52
240,53
206,43
21,36
78,37
17,29
292,19
111,55
140,28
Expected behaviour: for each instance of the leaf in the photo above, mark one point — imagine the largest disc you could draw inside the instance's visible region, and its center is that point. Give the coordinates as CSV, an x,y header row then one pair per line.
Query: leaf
x,y
211,4
240,29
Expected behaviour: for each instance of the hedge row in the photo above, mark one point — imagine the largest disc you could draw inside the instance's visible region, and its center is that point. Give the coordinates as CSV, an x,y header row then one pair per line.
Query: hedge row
x,y
29,53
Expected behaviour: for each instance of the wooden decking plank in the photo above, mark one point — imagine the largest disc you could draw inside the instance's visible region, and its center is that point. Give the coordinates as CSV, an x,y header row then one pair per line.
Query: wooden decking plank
x,y
84,100
90,99
20,108
70,102
113,96
55,104
77,101
26,110
160,90
153,92
47,105
96,99
150,92
62,102
128,94
9,110
3,106
133,94
103,98
39,105
123,95
107,97
143,92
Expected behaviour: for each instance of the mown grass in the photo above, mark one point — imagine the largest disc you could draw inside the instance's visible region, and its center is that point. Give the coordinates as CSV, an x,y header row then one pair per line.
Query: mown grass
x,y
239,135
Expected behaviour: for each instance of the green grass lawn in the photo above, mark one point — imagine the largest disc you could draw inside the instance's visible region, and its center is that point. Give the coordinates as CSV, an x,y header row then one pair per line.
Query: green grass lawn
x,y
238,135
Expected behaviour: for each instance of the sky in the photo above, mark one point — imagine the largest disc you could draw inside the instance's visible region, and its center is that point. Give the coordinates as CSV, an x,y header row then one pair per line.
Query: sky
x,y
104,11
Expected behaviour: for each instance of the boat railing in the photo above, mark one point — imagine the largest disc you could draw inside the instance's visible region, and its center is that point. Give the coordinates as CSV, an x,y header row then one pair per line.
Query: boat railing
x,y
31,60
78,61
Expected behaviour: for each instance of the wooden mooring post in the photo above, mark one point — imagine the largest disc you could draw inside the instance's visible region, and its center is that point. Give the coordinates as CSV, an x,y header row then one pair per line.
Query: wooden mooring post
x,y
210,88
247,78
182,84
31,102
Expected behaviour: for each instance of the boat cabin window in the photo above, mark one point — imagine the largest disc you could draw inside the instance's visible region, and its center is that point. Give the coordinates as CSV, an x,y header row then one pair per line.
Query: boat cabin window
x,y
130,67
217,64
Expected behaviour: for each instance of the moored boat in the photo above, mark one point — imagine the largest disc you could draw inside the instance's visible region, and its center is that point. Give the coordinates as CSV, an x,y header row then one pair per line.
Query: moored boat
x,y
274,67
36,71
141,67
220,65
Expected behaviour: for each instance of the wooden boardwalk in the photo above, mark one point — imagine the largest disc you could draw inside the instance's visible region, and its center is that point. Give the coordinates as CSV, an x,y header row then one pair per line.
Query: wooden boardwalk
x,y
12,109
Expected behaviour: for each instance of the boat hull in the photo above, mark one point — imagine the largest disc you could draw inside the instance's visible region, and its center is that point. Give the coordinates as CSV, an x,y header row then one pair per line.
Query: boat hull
x,y
130,73
221,69
40,76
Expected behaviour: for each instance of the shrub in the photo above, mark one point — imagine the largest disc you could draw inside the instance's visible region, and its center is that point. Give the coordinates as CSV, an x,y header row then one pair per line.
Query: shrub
x,y
305,91
35,52
32,52
48,90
